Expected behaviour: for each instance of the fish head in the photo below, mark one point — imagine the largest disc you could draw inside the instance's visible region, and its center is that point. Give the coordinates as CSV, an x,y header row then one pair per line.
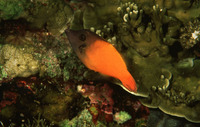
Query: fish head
x,y
80,40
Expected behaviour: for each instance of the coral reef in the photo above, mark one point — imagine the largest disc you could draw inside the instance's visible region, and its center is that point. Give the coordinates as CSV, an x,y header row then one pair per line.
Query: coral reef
x,y
83,119
159,40
103,109
166,94
55,15
12,9
18,61
190,34
157,118
38,97
149,31
51,64
100,99
40,52
121,117
38,122
131,14
73,68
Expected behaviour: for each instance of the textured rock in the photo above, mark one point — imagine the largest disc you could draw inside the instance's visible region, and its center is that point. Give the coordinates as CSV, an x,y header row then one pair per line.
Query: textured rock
x,y
18,61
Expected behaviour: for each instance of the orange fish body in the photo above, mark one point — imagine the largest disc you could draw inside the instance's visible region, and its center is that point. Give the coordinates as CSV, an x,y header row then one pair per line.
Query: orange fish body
x,y
100,56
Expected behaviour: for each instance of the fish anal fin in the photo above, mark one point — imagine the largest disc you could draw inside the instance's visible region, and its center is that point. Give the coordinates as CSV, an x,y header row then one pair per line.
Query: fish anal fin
x,y
129,82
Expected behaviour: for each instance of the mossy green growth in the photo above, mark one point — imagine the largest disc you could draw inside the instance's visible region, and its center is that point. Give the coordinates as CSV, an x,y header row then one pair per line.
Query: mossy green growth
x,y
37,122
73,68
51,64
3,73
53,68
141,123
122,117
10,9
84,119
94,110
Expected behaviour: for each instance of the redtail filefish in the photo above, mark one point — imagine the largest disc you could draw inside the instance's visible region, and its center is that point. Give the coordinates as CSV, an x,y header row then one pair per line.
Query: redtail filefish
x,y
100,56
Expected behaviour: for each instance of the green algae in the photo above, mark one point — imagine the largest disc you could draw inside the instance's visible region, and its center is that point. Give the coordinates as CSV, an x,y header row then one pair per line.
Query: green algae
x,y
73,68
55,16
51,64
84,119
12,9
3,73
122,117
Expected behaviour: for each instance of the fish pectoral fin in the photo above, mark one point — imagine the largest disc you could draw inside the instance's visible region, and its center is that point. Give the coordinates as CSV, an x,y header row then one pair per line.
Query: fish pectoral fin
x,y
104,75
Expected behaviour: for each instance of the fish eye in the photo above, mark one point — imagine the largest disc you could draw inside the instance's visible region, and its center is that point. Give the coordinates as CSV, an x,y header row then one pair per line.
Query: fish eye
x,y
82,37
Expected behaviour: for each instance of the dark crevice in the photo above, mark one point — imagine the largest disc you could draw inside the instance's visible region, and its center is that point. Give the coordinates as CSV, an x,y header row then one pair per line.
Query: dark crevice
x,y
175,49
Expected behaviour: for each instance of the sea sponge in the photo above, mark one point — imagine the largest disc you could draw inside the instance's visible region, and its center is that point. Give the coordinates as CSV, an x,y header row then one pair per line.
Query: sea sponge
x,y
18,61
190,34
12,9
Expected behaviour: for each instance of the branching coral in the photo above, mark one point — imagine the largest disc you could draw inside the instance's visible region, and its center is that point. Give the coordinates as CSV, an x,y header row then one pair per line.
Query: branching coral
x,y
131,14
142,34
38,122
107,32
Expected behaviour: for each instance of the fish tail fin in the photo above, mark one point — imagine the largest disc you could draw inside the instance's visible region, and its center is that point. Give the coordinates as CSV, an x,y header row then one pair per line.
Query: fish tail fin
x,y
129,83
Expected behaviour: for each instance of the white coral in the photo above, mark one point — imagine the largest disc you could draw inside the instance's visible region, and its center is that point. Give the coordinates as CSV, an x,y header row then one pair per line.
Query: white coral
x,y
190,34
195,34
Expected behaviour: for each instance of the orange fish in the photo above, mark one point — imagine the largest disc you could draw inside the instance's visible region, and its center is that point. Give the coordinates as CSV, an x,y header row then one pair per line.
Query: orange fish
x,y
100,56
